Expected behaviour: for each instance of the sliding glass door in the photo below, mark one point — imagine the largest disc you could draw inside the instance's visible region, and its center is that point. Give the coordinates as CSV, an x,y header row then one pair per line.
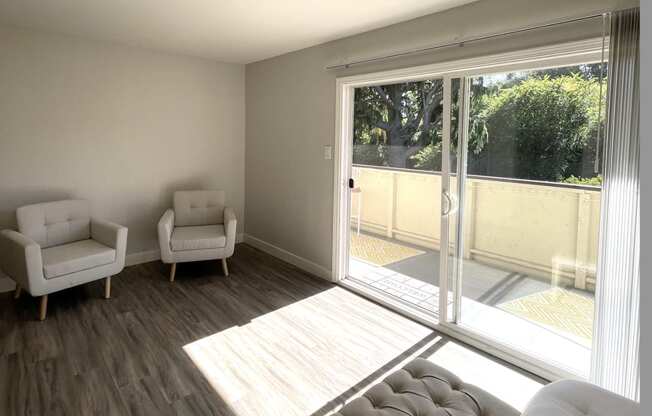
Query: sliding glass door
x,y
472,198
525,169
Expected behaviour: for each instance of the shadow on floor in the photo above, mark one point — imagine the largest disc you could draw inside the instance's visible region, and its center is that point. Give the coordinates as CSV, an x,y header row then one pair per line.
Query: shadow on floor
x,y
385,370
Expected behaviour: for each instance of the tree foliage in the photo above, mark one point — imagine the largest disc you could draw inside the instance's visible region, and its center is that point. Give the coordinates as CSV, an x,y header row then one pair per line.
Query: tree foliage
x,y
537,125
594,181
541,128
394,122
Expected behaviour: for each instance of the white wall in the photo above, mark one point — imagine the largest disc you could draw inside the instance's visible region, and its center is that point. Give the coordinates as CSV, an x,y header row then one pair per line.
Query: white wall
x,y
122,127
290,106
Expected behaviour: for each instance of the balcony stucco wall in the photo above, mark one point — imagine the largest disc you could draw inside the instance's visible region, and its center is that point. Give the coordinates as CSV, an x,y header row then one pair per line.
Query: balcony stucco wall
x,y
543,230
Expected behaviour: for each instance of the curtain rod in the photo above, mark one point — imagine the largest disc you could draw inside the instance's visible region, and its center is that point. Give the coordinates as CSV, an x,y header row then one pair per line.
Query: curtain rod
x,y
464,41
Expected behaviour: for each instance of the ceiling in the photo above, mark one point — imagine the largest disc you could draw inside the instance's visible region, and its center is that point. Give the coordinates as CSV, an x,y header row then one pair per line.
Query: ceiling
x,y
239,31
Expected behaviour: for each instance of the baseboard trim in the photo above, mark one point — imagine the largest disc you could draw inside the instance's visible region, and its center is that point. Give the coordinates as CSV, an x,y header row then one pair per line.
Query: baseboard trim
x,y
300,262
142,257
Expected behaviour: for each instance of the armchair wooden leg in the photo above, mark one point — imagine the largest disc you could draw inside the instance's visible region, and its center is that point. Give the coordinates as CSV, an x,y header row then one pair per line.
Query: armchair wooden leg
x,y
43,311
107,287
17,292
225,267
173,271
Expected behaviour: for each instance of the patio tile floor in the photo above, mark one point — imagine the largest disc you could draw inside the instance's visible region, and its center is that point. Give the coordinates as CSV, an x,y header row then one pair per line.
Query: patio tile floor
x,y
413,279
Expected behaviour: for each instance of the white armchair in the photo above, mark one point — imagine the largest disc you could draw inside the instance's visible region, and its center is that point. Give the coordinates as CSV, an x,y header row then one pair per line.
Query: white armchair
x,y
200,227
58,246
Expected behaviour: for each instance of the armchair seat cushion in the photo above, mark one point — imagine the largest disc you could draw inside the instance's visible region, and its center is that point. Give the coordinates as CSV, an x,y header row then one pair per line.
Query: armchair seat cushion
x,y
74,257
198,237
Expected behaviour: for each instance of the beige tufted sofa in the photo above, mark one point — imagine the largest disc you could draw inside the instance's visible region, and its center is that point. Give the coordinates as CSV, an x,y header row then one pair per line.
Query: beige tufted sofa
x,y
199,227
422,388
58,245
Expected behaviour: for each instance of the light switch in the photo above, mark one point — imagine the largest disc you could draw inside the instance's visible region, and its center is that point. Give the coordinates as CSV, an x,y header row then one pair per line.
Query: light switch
x,y
328,152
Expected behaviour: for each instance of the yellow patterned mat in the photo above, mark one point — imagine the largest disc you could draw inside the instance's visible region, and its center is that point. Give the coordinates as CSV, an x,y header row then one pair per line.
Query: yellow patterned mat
x,y
378,251
558,308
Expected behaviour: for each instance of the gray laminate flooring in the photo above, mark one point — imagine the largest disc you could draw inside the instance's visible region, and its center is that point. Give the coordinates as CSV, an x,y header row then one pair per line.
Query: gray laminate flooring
x,y
268,339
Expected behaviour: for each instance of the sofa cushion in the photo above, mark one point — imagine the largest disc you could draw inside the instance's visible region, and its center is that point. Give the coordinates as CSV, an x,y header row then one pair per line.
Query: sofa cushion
x,y
55,223
198,208
578,398
198,237
425,389
75,257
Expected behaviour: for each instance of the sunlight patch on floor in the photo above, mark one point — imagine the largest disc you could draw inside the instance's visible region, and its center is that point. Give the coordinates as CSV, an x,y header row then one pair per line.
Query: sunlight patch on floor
x,y
472,367
296,359
322,351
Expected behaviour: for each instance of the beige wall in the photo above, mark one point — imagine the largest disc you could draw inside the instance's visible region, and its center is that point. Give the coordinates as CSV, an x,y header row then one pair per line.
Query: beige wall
x,y
122,127
291,108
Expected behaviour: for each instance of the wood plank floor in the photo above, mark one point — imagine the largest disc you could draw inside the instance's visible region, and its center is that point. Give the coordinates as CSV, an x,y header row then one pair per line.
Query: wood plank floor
x,y
268,339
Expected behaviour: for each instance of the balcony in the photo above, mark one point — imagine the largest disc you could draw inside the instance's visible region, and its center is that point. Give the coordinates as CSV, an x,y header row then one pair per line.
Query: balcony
x,y
529,252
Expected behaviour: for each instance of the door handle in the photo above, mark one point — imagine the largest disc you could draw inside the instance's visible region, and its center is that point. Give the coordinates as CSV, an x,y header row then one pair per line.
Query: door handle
x,y
451,204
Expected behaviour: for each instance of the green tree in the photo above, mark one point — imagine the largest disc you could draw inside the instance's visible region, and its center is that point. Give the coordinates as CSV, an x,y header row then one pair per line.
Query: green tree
x,y
394,122
532,125
430,157
540,128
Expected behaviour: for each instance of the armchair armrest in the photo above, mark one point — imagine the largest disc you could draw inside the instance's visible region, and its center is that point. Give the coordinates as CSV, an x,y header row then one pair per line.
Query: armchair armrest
x,y
107,233
165,228
20,259
230,226
112,235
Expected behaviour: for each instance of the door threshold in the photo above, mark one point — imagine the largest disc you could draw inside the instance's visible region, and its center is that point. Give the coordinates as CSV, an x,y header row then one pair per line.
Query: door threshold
x,y
389,301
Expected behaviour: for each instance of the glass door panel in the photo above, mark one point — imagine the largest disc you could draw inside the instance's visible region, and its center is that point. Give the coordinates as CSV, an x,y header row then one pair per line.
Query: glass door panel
x,y
529,194
395,191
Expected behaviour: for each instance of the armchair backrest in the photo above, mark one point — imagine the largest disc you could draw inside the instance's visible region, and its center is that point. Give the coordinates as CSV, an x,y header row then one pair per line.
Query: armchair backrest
x,y
198,208
55,223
